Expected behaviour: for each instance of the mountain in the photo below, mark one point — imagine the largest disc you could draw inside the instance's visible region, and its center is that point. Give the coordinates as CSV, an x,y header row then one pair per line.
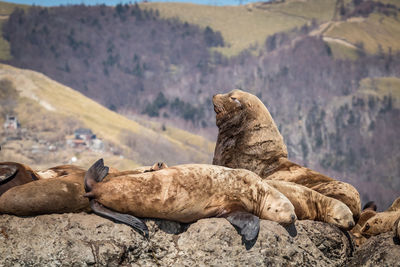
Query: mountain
x,y
328,71
49,112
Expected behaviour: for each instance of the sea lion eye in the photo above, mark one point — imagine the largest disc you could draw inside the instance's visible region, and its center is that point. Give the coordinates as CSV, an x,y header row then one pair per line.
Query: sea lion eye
x,y
367,227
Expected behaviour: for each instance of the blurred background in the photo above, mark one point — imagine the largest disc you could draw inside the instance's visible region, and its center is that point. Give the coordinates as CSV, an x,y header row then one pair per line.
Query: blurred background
x,y
133,82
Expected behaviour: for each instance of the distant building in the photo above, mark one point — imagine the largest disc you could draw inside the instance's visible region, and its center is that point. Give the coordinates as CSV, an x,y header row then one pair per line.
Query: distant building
x,y
84,134
85,139
11,123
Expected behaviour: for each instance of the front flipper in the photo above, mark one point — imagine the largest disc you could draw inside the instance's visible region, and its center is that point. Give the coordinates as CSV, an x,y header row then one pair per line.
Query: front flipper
x,y
130,220
7,172
247,224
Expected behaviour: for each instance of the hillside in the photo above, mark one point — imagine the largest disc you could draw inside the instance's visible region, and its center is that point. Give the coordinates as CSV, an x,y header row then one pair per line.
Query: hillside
x,y
51,111
327,70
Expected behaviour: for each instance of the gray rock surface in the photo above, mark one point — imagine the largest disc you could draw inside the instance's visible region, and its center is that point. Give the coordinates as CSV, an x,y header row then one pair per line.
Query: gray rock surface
x,y
380,250
87,239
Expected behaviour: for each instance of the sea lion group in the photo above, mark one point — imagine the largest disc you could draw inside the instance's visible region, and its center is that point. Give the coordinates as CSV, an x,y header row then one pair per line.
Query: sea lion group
x,y
251,178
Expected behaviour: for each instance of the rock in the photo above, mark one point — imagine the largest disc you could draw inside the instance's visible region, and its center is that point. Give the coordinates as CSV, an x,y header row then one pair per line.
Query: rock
x,y
87,239
380,250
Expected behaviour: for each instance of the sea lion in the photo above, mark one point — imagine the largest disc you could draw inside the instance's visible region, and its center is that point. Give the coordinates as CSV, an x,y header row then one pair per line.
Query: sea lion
x,y
311,205
187,193
358,237
61,193
395,205
13,174
248,138
382,222
58,190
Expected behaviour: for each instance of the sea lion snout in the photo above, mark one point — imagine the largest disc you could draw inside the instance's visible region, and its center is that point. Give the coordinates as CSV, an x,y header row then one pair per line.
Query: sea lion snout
x,y
293,217
351,225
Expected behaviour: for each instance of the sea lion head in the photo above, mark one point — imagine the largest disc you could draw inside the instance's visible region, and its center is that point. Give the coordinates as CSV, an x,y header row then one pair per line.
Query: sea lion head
x,y
380,223
237,107
365,216
372,226
278,208
341,216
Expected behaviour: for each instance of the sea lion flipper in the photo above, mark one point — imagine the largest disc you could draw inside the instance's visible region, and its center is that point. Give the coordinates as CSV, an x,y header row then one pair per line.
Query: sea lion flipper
x,y
157,166
95,174
247,224
7,172
130,220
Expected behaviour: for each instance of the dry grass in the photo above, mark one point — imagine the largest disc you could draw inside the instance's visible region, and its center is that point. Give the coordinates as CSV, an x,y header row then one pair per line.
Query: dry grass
x,y
341,51
5,10
382,87
373,31
51,97
241,26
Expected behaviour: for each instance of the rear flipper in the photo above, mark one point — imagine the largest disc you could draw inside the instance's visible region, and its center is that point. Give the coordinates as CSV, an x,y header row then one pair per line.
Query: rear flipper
x,y
247,224
130,220
95,174
157,166
7,172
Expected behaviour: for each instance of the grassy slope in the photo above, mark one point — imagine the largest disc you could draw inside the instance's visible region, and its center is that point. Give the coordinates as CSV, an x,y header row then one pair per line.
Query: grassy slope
x,y
243,26
5,10
381,87
57,98
373,31
249,25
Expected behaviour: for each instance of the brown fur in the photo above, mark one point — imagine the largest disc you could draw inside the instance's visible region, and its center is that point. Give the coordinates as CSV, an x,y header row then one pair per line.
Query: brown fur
x,y
59,190
396,228
248,138
23,175
359,238
311,205
62,193
186,193
382,222
395,205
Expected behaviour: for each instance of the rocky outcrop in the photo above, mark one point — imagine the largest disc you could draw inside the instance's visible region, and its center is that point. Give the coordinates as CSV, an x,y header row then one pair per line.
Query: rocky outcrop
x,y
380,250
86,239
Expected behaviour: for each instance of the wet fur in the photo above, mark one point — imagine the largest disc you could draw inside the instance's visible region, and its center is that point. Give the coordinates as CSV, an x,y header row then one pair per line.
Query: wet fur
x,y
248,138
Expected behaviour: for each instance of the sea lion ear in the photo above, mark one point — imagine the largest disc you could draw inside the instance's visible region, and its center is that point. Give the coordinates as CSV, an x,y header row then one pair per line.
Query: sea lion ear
x,y
247,224
237,101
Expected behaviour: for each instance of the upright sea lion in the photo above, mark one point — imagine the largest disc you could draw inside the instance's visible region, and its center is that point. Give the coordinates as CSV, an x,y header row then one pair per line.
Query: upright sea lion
x,y
187,193
382,222
311,205
13,174
248,138
395,205
58,190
